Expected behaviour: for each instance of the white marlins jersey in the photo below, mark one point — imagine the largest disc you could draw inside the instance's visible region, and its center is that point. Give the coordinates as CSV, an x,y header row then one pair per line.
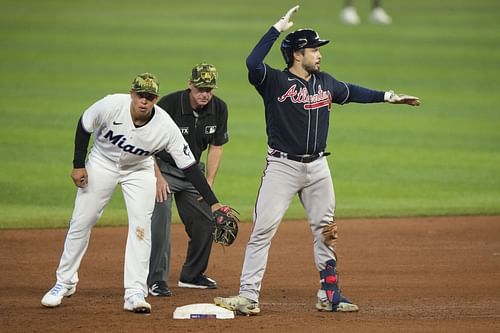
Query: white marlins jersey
x,y
117,139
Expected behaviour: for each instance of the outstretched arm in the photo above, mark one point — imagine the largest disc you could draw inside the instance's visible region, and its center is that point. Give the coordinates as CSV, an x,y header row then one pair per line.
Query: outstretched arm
x,y
358,94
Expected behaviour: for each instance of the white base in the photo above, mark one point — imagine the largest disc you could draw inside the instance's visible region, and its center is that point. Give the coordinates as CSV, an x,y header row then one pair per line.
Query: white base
x,y
202,311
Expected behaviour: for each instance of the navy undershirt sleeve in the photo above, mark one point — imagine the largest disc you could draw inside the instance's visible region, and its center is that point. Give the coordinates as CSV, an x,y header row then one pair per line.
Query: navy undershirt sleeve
x,y
360,94
255,61
82,138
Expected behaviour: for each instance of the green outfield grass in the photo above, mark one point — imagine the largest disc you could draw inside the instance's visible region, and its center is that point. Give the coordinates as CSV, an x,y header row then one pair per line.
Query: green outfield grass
x,y
58,57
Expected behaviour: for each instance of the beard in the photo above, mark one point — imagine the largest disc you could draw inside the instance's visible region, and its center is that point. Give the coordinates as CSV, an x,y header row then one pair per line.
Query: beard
x,y
311,68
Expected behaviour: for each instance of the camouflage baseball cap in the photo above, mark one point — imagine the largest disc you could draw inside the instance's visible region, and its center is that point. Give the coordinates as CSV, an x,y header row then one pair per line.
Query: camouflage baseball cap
x,y
146,82
204,76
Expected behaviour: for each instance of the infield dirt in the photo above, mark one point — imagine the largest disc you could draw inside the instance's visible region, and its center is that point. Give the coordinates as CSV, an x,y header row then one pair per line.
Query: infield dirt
x,y
413,274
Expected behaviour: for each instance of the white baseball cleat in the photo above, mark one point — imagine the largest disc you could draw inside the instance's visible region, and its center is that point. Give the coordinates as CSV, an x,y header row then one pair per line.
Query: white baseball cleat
x,y
238,303
344,305
136,303
379,16
348,15
54,296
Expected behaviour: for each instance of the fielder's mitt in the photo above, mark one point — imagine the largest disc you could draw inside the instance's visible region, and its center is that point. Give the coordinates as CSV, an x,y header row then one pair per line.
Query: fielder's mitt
x,y
225,225
330,233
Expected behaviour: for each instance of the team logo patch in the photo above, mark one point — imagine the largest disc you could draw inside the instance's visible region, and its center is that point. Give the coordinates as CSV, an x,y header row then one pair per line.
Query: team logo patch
x,y
210,129
184,130
186,151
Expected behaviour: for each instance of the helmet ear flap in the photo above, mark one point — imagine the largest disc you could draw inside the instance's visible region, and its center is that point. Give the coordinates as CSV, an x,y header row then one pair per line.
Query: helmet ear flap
x,y
287,56
287,51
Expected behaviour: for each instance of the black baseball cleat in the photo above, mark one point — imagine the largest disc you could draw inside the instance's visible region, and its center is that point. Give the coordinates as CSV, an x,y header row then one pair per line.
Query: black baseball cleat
x,y
160,288
200,282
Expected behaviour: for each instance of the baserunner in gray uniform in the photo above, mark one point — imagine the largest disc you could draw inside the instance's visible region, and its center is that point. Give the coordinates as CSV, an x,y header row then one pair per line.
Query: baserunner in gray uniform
x,y
297,101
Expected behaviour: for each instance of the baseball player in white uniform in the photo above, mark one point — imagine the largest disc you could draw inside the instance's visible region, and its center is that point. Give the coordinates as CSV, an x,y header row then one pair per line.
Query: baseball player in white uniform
x,y
128,130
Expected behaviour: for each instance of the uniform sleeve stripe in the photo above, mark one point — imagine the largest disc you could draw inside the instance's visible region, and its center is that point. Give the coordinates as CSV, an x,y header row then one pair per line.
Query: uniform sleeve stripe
x,y
263,76
348,92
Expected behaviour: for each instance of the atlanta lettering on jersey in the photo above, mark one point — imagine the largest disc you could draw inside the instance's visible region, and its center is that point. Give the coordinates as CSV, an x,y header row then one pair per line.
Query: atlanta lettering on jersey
x,y
318,100
119,140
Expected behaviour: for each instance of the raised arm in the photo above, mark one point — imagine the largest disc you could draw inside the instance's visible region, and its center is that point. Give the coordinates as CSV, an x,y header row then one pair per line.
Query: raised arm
x,y
255,61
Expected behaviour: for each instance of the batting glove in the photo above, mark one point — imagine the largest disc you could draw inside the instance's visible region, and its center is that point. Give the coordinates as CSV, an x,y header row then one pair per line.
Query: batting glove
x,y
284,23
394,98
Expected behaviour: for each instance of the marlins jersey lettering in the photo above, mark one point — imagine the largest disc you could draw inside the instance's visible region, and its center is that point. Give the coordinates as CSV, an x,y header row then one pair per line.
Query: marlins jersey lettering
x,y
117,139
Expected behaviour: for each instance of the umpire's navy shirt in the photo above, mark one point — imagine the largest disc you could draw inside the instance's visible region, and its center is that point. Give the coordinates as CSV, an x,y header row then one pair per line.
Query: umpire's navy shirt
x,y
209,127
298,111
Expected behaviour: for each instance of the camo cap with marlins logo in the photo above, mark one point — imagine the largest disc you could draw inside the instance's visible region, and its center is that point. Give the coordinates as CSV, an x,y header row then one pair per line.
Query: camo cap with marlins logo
x,y
147,83
204,76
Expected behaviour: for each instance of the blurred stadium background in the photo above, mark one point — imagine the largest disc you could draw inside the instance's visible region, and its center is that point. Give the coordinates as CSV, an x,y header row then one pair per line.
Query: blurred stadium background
x,y
58,57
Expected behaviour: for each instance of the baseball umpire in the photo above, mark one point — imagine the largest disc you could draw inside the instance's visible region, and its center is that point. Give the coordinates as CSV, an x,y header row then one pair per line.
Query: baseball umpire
x,y
298,101
202,119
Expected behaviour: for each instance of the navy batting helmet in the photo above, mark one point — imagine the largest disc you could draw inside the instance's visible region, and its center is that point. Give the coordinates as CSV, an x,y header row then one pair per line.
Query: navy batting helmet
x,y
300,39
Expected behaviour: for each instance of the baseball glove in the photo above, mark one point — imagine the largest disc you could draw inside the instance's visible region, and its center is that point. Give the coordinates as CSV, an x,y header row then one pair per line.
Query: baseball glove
x,y
330,233
225,225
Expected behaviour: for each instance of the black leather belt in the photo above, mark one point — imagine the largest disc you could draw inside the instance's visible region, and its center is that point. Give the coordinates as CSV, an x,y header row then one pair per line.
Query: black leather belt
x,y
299,158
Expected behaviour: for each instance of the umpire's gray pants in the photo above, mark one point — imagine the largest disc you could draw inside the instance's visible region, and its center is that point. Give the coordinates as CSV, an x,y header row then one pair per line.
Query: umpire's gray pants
x,y
196,216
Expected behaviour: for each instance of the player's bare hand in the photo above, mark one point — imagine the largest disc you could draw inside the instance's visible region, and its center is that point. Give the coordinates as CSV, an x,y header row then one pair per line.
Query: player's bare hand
x,y
394,98
80,177
284,23
162,189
